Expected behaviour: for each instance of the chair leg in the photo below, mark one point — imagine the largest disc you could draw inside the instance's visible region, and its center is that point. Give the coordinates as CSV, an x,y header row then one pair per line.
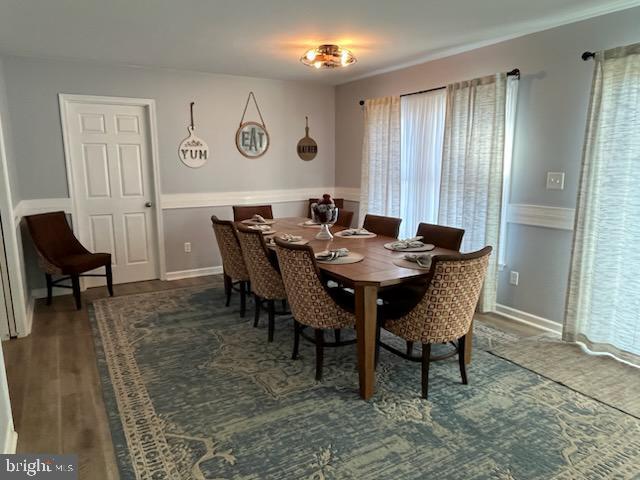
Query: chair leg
x,y
319,353
272,318
109,275
284,305
256,317
296,339
227,288
243,298
463,366
336,334
75,283
426,356
49,288
409,348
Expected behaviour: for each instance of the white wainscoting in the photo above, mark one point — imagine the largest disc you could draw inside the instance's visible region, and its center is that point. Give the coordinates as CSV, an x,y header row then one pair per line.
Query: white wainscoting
x,y
40,205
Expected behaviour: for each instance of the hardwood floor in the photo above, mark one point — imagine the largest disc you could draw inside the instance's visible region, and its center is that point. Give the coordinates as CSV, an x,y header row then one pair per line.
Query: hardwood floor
x,y
55,388
54,385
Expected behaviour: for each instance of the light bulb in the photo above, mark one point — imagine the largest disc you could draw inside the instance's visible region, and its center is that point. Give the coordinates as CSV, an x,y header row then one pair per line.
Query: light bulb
x,y
311,54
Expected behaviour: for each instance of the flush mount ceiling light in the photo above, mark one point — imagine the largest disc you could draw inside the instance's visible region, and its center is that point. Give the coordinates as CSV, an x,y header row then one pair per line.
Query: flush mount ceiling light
x,y
328,56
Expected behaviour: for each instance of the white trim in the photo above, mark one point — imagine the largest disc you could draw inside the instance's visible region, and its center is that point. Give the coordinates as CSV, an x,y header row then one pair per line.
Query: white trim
x,y
10,440
41,205
528,319
196,272
527,29
150,106
541,216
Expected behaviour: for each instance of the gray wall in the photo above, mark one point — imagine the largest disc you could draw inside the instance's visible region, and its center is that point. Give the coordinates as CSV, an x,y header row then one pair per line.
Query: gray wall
x,y
552,108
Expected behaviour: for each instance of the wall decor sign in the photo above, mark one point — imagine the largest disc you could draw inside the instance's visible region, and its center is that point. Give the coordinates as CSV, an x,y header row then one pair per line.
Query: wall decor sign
x,y
252,138
193,151
307,146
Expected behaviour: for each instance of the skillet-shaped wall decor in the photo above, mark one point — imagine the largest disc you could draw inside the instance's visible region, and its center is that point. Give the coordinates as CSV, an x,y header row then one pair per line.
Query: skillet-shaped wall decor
x,y
307,146
193,151
252,138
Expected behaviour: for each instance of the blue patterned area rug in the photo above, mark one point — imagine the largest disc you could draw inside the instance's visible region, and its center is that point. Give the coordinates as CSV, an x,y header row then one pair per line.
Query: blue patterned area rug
x,y
194,391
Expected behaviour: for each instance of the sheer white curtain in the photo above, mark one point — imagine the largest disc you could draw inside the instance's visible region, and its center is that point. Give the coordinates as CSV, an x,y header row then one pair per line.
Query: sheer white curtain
x,y
603,306
422,132
472,168
380,179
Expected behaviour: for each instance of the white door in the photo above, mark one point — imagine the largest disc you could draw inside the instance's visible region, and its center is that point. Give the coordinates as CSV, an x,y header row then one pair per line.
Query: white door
x,y
109,148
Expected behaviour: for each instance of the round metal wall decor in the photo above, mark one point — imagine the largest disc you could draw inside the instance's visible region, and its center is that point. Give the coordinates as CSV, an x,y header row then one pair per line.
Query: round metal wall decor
x,y
252,138
307,146
193,151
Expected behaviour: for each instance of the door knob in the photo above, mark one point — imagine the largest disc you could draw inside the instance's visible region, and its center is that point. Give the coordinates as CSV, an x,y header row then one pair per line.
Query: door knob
x,y
148,204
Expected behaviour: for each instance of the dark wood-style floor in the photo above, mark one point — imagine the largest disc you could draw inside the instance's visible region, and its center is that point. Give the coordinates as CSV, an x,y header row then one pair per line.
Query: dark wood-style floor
x,y
55,388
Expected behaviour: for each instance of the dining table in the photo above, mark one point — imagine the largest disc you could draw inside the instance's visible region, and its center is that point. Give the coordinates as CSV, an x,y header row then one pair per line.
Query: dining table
x,y
375,272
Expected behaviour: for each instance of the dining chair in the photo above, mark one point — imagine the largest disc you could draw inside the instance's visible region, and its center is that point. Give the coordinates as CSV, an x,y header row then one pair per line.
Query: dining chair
x,y
444,312
234,269
441,236
338,202
244,212
61,253
345,218
385,226
264,274
312,303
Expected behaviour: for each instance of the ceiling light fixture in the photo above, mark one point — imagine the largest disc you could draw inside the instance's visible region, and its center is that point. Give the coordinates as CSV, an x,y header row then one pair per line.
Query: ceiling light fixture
x,y
328,56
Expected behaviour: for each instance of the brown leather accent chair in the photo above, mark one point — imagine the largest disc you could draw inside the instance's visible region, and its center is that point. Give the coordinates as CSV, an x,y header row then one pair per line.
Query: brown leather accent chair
x,y
442,313
338,202
312,303
380,225
60,253
245,212
345,218
234,269
441,236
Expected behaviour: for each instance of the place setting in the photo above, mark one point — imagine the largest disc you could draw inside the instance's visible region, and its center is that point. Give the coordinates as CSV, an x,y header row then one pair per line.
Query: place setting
x,y
289,238
258,220
264,229
339,256
355,233
414,261
413,244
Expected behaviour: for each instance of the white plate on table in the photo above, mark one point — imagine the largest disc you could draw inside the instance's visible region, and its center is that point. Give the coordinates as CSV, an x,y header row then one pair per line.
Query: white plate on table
x,y
310,224
342,235
351,258
254,222
424,248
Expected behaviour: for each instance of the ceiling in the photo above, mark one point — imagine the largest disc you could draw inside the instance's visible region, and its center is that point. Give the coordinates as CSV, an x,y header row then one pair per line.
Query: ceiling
x,y
265,38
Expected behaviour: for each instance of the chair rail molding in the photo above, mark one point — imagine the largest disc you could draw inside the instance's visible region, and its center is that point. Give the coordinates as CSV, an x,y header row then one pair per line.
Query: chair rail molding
x,y
541,216
41,205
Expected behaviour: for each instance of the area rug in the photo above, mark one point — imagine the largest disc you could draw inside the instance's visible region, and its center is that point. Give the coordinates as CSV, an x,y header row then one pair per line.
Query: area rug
x,y
598,376
194,391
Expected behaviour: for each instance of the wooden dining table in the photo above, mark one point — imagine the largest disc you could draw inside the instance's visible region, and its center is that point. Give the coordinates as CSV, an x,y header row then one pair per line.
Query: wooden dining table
x,y
367,277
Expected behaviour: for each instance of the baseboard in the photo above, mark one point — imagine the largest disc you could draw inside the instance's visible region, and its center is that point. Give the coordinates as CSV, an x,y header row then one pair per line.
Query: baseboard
x,y
28,313
196,272
528,319
10,441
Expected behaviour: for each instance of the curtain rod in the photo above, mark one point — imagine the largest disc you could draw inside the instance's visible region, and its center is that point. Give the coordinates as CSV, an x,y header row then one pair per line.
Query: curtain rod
x,y
588,56
513,73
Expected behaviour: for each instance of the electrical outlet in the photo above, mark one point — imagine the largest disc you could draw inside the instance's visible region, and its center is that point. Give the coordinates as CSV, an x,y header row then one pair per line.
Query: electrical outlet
x,y
514,278
187,247
555,180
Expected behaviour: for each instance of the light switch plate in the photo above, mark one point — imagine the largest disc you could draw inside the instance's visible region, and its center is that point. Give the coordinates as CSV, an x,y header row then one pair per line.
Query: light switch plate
x,y
555,180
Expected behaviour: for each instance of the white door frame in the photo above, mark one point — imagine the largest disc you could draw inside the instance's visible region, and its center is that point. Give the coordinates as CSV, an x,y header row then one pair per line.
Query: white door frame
x,y
150,107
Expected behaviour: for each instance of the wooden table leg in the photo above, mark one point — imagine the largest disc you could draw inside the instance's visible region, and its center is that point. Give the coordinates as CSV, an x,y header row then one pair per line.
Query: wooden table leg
x,y
468,345
366,313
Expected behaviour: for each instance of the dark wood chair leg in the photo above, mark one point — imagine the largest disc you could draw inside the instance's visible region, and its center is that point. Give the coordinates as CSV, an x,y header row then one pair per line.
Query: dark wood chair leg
x,y
256,316
336,334
296,339
272,318
409,348
109,275
319,353
284,305
75,283
463,366
243,298
227,288
49,288
426,356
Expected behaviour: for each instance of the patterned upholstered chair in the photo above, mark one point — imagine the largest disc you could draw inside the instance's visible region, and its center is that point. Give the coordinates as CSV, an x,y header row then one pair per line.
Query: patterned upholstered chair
x,y
235,271
385,226
312,303
244,212
444,312
441,236
266,282
60,253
